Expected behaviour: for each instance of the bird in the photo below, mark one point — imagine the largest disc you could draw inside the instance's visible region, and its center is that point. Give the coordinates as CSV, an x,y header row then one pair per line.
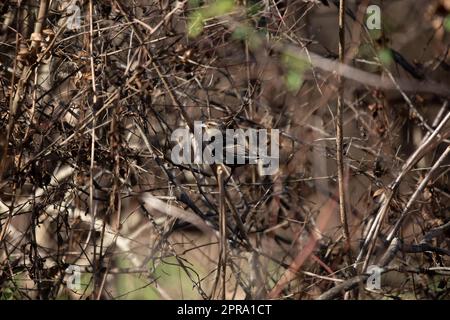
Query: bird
x,y
237,150
325,2
242,147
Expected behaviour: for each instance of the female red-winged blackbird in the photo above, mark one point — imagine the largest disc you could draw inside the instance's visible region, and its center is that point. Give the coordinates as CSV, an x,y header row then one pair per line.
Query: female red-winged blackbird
x,y
235,152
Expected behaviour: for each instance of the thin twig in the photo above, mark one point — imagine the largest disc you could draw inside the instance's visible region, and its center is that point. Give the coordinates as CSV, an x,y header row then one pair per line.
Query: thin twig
x,y
340,129
222,228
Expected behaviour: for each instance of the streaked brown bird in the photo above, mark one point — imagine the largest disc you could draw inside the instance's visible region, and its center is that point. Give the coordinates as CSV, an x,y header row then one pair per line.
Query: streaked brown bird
x,y
234,150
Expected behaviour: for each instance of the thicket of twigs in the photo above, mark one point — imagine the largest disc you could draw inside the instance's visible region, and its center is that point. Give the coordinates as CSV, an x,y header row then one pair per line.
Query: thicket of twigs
x,y
93,207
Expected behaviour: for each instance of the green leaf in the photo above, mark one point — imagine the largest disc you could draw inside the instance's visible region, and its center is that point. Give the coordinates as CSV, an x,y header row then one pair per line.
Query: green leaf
x,y
294,80
296,66
219,8
375,34
7,294
195,25
385,56
198,17
241,32
295,62
447,23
